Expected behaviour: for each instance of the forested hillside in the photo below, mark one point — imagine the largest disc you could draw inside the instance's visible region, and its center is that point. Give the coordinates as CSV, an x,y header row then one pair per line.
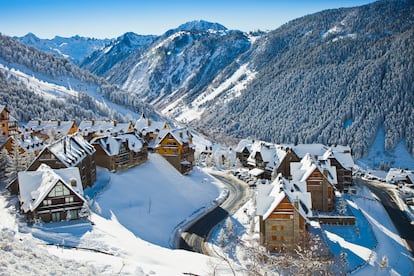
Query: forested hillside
x,y
36,84
332,77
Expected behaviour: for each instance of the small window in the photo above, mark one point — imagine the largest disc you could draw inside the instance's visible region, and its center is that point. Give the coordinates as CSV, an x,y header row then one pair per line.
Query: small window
x,y
282,227
69,199
274,228
47,202
282,238
274,238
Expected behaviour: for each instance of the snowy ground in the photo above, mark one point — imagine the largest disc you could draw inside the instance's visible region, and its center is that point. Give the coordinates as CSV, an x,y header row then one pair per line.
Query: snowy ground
x,y
372,246
136,210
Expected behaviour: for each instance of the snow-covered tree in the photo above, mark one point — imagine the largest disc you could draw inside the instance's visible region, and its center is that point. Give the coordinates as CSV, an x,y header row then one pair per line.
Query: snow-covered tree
x,y
85,212
4,162
18,161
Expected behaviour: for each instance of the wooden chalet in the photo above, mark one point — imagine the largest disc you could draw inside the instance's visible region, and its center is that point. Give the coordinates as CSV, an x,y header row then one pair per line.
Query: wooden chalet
x,y
149,130
67,152
243,151
95,128
267,159
283,209
320,179
8,124
51,195
120,152
177,147
340,157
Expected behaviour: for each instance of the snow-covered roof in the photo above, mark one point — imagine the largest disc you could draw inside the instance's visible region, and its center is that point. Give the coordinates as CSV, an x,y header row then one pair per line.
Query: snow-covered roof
x,y
342,154
34,186
270,196
313,149
302,170
396,175
111,145
182,135
272,154
2,107
70,150
146,125
244,143
29,143
103,127
60,127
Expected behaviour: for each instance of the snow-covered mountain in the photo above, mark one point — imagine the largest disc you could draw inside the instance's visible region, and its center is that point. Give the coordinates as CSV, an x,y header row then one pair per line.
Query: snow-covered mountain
x,y
336,76
74,48
36,84
119,49
178,65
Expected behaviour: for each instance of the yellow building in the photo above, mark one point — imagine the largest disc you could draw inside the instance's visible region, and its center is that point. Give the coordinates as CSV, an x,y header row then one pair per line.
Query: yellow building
x,y
8,124
177,147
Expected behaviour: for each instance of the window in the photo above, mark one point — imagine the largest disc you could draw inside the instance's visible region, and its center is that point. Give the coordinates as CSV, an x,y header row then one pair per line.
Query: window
x,y
274,227
274,238
59,190
56,216
282,227
74,214
282,238
47,202
69,199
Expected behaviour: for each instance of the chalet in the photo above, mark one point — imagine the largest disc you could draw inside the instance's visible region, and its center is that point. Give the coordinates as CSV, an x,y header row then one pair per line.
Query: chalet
x,y
67,152
177,147
149,129
51,195
120,152
50,130
319,178
8,124
243,151
283,208
340,157
93,128
266,159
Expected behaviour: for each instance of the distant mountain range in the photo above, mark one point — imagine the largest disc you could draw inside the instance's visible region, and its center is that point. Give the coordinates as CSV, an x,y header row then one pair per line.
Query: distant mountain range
x,y
335,76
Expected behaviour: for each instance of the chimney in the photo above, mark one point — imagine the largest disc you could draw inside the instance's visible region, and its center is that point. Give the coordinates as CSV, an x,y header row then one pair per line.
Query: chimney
x,y
58,123
39,122
115,123
181,134
92,122
73,182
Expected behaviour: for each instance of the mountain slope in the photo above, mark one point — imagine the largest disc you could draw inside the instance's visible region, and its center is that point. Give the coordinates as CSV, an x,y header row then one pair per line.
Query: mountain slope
x,y
36,84
178,64
75,48
331,77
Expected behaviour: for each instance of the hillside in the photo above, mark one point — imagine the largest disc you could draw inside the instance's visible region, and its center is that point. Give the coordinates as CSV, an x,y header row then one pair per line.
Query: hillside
x,y
37,84
332,77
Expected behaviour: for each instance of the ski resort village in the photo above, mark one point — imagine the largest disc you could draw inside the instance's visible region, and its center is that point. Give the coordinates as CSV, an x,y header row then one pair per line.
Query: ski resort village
x,y
279,144
128,198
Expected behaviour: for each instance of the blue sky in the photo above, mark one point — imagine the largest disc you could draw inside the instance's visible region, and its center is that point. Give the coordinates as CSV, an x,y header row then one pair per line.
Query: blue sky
x,y
106,18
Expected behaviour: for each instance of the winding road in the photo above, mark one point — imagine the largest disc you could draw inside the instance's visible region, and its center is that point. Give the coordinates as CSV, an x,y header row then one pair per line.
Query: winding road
x,y
398,217
193,239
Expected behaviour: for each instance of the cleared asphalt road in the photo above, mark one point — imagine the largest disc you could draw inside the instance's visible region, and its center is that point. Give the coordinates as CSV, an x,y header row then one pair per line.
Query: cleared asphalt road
x,y
193,239
398,217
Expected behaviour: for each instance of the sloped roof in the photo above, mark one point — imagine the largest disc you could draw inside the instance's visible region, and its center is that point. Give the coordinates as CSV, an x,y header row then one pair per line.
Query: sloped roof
x,y
272,154
34,186
396,175
244,143
72,149
62,127
182,135
342,154
269,197
103,127
313,149
111,145
302,170
29,143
